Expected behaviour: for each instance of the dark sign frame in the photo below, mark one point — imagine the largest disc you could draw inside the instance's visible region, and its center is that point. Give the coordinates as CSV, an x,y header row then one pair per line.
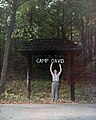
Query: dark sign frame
x,y
51,47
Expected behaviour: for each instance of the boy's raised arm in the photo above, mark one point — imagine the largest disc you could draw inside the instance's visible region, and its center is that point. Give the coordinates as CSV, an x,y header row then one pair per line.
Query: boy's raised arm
x,y
60,68
51,68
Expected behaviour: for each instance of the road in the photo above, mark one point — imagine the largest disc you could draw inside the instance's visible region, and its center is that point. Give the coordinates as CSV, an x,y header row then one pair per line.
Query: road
x,y
48,112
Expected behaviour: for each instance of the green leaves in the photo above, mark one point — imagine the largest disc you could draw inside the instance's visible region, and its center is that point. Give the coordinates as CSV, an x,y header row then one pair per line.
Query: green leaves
x,y
45,18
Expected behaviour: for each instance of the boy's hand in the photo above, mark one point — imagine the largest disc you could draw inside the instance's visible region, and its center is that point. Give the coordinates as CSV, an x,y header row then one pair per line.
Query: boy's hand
x,y
59,64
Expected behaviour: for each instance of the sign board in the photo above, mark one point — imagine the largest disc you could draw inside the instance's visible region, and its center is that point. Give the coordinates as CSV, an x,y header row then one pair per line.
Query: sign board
x,y
48,60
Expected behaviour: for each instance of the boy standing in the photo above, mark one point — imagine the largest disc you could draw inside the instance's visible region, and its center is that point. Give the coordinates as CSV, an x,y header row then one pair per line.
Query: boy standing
x,y
55,82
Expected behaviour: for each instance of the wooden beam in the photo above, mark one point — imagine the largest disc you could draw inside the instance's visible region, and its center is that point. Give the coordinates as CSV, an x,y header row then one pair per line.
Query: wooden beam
x,y
72,86
29,64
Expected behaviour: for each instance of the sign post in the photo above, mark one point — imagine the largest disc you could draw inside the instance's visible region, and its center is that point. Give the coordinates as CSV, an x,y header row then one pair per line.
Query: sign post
x,y
72,86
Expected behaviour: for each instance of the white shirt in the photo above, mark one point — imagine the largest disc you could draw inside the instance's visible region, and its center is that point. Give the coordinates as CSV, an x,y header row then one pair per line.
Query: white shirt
x,y
55,77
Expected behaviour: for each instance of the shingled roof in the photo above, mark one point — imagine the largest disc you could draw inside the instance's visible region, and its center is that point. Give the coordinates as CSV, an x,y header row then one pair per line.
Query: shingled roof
x,y
49,46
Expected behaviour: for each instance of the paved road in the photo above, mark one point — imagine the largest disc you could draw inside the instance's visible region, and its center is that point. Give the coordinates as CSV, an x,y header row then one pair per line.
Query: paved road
x,y
48,112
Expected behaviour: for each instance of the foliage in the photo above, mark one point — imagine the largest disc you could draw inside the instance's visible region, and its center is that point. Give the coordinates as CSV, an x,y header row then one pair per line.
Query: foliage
x,y
41,92
46,19
51,19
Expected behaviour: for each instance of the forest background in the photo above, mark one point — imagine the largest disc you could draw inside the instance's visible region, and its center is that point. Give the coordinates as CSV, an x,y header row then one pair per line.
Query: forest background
x,y
22,21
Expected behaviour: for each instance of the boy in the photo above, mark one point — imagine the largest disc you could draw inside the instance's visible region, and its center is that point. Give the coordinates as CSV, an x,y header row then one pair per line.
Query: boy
x,y
55,82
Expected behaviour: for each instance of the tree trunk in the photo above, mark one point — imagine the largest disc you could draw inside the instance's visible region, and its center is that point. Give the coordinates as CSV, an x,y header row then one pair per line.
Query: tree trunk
x,y
83,41
7,46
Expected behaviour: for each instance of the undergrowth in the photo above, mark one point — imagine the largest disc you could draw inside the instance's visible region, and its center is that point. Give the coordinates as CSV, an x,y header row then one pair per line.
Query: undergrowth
x,y
41,92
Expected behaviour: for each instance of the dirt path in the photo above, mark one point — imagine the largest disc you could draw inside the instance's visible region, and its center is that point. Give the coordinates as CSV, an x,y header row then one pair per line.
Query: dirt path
x,y
48,112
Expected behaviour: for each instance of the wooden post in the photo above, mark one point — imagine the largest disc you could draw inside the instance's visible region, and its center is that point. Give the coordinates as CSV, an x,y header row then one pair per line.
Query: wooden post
x,y
28,77
72,86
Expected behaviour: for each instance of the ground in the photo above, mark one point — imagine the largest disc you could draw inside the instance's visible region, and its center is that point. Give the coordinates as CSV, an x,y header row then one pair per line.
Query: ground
x,y
48,112
85,92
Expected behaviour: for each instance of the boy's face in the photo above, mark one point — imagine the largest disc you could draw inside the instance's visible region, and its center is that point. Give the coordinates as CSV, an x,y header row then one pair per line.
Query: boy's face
x,y
55,71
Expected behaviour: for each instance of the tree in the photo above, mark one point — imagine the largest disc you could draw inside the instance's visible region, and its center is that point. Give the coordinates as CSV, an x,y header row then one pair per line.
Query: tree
x,y
14,6
49,19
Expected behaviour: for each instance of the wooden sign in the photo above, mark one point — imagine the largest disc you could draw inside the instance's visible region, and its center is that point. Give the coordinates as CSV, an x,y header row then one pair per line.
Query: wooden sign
x,y
48,60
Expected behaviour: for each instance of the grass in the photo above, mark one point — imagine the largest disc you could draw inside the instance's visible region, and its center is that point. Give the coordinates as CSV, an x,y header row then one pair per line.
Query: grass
x,y
41,92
